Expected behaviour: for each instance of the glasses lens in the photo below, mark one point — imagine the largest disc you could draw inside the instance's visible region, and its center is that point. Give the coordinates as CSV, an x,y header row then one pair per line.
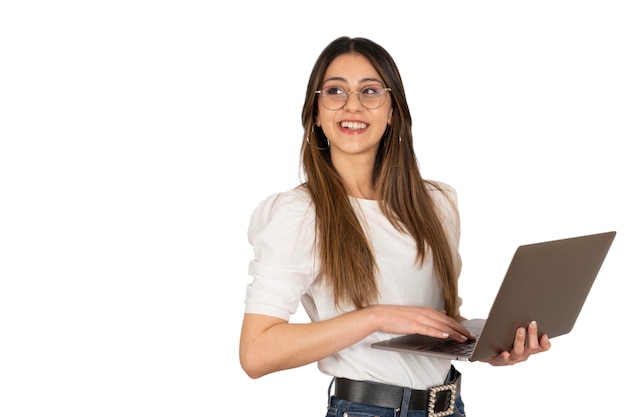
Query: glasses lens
x,y
333,98
371,96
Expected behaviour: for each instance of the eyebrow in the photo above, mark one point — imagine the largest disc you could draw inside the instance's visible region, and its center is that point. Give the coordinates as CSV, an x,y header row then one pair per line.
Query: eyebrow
x,y
361,81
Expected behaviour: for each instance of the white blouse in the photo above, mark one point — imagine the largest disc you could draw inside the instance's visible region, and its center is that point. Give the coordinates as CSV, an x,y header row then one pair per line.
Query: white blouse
x,y
284,271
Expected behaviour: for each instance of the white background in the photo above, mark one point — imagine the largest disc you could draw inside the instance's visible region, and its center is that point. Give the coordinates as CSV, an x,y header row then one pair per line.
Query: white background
x,y
138,136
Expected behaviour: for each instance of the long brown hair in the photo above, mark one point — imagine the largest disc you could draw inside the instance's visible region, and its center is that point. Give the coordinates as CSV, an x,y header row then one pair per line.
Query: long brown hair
x,y
347,261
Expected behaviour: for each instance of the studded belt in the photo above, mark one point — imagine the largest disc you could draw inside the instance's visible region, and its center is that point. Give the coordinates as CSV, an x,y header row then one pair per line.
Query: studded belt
x,y
437,400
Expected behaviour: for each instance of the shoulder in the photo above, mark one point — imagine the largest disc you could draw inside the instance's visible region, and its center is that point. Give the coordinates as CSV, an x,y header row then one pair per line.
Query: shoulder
x,y
282,210
445,199
440,190
282,229
296,201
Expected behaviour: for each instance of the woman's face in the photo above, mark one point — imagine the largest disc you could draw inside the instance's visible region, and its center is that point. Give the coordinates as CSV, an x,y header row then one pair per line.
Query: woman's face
x,y
353,129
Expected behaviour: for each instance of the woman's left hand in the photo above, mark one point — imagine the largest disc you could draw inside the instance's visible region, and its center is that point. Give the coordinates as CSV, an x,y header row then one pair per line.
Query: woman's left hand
x,y
523,347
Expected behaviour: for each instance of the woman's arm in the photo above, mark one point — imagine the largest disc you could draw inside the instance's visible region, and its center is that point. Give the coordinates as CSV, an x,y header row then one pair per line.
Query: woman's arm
x,y
270,344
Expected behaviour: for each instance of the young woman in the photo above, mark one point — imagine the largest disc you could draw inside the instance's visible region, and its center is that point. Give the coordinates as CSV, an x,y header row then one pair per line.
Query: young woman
x,y
367,246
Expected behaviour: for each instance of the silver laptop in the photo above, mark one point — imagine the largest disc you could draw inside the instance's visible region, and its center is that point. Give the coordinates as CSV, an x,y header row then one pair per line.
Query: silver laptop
x,y
547,282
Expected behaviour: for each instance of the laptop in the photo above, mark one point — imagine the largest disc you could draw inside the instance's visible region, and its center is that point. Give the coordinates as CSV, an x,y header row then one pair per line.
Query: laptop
x,y
547,282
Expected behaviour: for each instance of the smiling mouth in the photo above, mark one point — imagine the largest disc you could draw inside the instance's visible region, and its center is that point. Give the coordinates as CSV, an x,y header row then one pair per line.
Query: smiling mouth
x,y
353,125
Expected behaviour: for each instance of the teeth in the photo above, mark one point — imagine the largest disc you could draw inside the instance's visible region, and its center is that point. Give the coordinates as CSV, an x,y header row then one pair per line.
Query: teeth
x,y
353,125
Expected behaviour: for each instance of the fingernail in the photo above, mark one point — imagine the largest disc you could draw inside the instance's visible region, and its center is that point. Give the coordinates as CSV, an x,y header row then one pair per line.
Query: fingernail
x,y
533,324
445,334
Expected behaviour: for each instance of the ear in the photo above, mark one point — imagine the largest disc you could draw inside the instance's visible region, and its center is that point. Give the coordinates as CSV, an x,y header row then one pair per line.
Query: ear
x,y
390,117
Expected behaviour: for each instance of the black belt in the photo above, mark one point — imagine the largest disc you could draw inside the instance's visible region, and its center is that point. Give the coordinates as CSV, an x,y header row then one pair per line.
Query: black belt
x,y
437,400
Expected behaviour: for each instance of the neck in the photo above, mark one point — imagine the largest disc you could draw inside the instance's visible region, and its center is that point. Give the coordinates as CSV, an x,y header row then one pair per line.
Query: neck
x,y
357,177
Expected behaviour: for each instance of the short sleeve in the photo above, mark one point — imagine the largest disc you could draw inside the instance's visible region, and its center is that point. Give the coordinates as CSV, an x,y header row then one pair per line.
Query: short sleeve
x,y
282,234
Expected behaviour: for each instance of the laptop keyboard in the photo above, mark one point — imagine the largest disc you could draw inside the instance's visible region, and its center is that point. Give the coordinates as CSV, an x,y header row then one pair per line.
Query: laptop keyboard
x,y
452,346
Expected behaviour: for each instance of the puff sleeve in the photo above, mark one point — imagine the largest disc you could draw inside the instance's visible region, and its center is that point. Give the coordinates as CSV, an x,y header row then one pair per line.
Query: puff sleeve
x,y
282,234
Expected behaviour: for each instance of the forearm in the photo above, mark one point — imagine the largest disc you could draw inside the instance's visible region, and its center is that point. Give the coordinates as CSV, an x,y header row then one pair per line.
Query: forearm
x,y
269,344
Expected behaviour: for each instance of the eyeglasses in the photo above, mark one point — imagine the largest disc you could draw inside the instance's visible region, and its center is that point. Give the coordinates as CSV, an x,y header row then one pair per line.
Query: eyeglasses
x,y
371,96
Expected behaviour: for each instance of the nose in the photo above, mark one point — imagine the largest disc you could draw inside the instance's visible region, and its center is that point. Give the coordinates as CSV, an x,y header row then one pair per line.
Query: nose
x,y
353,102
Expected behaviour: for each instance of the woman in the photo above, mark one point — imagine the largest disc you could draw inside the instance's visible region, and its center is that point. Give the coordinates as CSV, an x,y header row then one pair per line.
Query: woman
x,y
367,246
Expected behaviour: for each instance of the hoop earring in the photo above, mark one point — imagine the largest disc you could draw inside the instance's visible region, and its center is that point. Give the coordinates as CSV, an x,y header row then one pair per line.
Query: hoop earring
x,y
309,142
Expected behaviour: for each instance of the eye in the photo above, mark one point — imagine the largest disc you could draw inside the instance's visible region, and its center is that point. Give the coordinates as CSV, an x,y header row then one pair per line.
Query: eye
x,y
333,91
372,90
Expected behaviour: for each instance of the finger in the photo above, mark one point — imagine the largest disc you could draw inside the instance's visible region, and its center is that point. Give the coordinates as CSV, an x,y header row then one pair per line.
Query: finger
x,y
458,332
505,357
459,337
501,360
456,329
520,342
435,332
448,332
432,328
533,340
448,327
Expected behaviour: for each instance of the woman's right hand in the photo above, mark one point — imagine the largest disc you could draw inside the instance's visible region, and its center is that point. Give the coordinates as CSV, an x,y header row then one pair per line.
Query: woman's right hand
x,y
419,320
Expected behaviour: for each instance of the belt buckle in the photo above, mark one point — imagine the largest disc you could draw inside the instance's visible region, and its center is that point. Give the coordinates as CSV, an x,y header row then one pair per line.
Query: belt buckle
x,y
432,398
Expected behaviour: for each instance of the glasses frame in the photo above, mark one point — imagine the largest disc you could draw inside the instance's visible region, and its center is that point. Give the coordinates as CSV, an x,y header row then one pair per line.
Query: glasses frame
x,y
345,101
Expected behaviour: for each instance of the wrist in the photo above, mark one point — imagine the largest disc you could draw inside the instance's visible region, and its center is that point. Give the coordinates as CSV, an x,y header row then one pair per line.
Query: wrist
x,y
373,315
